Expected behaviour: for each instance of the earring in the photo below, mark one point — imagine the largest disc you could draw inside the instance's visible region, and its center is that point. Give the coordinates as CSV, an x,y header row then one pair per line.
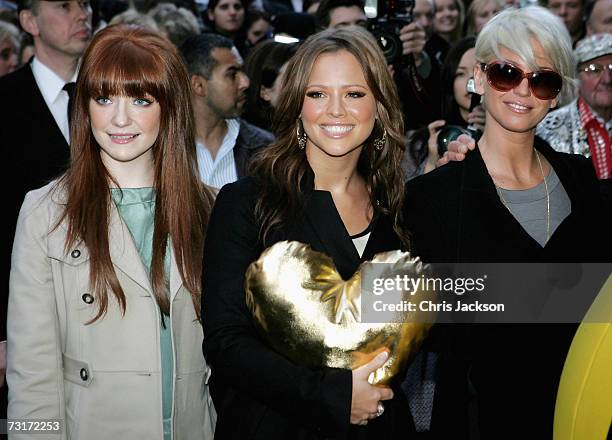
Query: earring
x,y
380,142
301,137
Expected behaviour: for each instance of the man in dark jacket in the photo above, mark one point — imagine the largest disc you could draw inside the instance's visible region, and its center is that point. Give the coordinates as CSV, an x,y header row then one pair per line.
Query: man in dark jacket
x,y
34,130
225,143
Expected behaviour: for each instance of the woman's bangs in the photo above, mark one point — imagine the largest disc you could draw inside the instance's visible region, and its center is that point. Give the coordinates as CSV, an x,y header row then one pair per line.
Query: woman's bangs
x,y
128,71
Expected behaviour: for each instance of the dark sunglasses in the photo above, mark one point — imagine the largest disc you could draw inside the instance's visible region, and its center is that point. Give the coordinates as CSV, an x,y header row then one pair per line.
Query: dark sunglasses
x,y
504,76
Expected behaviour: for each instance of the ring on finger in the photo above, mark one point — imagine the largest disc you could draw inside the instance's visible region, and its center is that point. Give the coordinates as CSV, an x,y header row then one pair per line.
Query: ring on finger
x,y
380,409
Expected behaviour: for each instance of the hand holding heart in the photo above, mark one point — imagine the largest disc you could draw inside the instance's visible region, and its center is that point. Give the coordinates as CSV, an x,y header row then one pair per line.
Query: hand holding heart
x,y
305,311
365,396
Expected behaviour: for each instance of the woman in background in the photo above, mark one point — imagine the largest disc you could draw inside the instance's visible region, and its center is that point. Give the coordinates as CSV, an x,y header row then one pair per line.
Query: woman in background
x,y
104,298
480,12
228,17
449,19
259,26
9,47
456,102
265,67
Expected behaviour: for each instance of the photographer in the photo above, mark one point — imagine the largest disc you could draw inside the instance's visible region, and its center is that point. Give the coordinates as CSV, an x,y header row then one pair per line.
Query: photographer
x,y
458,110
340,13
418,78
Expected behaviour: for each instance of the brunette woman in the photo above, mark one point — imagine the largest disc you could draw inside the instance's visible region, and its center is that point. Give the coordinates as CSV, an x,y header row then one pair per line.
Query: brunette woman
x,y
331,180
228,17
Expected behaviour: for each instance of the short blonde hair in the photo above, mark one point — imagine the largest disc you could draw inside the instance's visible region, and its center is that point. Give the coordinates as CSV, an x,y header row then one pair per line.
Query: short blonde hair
x,y
515,29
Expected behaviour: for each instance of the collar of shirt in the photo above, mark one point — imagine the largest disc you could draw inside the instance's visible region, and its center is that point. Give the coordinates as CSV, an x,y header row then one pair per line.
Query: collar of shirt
x,y
218,172
51,87
592,114
233,127
49,83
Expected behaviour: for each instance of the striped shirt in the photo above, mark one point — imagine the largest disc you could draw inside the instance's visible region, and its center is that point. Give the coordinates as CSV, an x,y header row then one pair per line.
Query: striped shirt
x,y
222,169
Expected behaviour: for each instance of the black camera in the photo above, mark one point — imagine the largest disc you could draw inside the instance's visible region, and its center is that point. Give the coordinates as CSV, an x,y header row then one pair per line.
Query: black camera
x,y
386,18
449,133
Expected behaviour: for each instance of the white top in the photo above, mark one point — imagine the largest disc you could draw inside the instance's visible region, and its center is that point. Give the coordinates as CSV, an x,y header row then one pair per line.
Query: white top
x,y
360,242
222,170
51,88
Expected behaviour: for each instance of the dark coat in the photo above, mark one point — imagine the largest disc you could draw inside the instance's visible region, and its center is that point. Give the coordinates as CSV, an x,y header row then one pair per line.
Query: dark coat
x,y
34,148
250,140
258,393
455,215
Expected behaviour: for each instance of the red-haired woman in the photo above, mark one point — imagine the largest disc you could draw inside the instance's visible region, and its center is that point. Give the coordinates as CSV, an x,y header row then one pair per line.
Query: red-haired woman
x,y
104,301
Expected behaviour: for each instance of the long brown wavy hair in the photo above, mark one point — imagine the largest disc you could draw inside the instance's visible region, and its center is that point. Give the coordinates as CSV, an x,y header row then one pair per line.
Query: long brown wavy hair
x,y
283,168
128,61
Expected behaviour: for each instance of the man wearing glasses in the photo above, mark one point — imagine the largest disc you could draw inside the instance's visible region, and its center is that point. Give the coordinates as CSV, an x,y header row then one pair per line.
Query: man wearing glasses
x,y
584,126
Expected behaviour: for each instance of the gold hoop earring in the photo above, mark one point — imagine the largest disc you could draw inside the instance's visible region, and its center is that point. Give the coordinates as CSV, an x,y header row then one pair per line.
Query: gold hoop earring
x,y
301,137
380,143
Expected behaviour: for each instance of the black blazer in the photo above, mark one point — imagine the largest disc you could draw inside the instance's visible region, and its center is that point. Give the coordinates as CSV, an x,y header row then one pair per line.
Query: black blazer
x,y
34,148
249,141
455,214
258,393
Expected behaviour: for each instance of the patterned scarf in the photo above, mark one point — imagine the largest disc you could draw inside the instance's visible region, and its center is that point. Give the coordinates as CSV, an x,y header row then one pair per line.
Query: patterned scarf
x,y
599,141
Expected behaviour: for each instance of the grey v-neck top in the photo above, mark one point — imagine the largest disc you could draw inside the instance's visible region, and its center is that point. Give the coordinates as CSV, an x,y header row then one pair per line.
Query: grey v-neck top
x,y
529,206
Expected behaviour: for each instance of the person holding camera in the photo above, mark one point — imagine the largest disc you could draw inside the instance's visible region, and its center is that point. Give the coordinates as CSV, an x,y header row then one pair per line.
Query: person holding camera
x,y
461,109
418,76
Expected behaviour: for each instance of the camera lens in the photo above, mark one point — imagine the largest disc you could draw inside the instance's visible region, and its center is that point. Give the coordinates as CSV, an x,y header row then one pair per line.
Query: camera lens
x,y
447,134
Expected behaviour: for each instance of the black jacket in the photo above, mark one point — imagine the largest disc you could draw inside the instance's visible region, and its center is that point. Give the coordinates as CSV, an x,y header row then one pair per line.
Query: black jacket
x,y
34,148
258,393
455,215
250,140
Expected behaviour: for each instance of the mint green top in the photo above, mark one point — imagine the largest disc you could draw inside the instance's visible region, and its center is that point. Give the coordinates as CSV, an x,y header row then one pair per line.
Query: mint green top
x,y
137,209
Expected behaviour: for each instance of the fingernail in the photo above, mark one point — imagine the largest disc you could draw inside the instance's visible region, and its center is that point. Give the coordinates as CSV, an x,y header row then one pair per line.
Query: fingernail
x,y
383,356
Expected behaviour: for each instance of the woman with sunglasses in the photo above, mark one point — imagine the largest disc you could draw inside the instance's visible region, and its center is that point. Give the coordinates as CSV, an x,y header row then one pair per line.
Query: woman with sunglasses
x,y
513,199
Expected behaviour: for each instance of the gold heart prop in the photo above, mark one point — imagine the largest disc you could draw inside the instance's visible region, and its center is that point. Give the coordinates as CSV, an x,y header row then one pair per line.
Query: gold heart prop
x,y
308,313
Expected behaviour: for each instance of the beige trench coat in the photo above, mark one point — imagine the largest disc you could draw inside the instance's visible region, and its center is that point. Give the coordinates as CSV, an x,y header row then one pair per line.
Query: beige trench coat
x,y
104,379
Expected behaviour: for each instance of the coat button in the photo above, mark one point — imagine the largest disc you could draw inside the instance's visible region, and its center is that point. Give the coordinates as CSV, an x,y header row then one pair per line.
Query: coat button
x,y
84,375
75,253
87,298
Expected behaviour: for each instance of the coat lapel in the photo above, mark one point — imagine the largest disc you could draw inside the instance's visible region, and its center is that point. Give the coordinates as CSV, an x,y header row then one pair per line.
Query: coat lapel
x,y
125,256
323,220
482,213
331,237
382,238
124,253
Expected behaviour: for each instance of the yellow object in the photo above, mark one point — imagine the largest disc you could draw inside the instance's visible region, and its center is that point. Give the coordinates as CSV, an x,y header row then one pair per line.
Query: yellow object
x,y
584,400
308,313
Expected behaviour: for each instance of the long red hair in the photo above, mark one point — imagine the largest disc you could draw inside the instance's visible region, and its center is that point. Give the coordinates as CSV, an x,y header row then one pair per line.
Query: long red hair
x,y
128,61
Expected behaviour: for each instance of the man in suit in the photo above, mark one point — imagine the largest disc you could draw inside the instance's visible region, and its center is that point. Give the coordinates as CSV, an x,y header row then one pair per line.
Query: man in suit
x,y
225,143
34,131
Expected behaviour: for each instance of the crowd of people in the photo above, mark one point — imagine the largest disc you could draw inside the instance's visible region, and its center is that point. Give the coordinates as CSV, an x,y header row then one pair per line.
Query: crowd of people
x,y
158,148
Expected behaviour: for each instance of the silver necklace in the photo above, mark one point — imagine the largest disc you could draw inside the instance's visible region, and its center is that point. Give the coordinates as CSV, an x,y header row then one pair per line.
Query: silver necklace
x,y
499,192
